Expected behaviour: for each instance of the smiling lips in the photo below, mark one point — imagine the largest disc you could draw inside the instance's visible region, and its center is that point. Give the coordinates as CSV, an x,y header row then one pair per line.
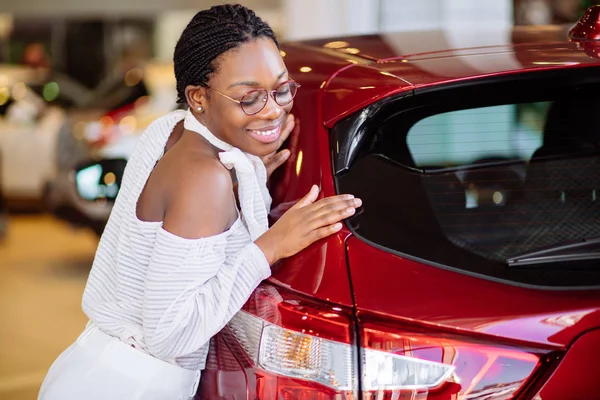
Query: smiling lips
x,y
266,135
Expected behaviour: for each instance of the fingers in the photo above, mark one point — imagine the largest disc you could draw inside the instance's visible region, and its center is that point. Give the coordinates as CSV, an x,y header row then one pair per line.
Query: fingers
x,y
276,160
287,128
334,211
323,232
310,197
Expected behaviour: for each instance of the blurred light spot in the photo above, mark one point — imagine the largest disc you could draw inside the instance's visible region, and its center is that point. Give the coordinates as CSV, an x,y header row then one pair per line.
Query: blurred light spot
x,y
19,91
336,45
471,197
128,124
367,87
305,69
323,84
304,317
106,121
498,197
283,53
142,101
554,63
4,95
110,179
299,163
79,130
336,309
133,76
51,91
351,50
404,60
352,61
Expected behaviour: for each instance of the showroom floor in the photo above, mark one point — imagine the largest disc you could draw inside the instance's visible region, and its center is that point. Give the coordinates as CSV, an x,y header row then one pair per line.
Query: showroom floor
x,y
43,267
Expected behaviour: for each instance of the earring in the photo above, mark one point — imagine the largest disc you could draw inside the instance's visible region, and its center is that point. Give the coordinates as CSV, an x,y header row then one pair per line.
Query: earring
x,y
200,108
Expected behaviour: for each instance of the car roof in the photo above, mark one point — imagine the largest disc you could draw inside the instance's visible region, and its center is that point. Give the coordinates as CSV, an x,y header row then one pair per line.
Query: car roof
x,y
360,70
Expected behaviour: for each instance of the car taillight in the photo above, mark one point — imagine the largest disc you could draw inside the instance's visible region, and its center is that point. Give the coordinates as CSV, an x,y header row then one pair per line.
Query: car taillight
x,y
298,349
436,366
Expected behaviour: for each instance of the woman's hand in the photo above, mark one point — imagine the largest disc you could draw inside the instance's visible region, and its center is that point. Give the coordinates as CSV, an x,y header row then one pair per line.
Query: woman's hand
x,y
305,223
278,158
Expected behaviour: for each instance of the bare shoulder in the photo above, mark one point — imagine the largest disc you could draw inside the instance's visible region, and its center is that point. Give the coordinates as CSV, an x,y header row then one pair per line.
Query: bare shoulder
x,y
200,202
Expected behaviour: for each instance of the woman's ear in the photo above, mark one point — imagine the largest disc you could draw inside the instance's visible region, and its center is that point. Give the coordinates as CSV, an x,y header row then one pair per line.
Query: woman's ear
x,y
196,97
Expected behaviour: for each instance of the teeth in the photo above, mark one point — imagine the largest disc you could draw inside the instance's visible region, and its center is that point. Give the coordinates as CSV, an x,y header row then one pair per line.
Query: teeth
x,y
266,133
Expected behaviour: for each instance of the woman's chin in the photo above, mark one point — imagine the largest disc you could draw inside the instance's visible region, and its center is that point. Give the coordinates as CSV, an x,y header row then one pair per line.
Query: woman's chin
x,y
262,149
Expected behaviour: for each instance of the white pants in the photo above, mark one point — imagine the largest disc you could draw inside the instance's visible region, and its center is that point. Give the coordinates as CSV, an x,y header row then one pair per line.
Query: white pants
x,y
101,367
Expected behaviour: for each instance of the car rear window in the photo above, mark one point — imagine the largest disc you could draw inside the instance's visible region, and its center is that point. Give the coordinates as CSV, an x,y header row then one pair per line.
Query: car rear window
x,y
464,137
504,183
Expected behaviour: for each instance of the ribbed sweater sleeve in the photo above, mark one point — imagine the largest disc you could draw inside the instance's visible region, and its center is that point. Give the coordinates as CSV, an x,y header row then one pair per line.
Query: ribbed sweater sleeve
x,y
192,289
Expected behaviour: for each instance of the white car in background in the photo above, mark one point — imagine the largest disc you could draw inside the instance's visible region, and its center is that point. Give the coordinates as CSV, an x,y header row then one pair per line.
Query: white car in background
x,y
33,108
29,126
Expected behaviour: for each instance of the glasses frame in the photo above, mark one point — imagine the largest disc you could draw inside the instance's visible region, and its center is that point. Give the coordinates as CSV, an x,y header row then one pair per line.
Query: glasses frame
x,y
268,92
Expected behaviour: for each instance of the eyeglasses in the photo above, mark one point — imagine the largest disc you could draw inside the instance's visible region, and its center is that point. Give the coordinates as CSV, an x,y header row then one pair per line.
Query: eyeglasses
x,y
254,101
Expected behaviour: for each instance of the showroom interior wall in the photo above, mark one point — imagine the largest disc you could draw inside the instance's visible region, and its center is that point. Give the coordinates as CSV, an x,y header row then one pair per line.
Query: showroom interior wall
x,y
318,18
305,19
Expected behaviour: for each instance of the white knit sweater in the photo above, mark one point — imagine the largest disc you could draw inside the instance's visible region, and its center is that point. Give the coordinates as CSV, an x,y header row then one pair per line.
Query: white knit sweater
x,y
164,294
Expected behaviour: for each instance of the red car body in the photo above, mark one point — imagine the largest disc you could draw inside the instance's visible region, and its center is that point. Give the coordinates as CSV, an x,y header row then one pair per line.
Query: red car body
x,y
504,337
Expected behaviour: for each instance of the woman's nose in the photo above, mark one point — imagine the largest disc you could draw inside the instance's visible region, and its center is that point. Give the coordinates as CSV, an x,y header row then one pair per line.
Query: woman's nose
x,y
272,110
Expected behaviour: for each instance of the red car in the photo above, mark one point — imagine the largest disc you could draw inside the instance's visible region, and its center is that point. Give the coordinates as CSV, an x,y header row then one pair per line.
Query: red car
x,y
472,270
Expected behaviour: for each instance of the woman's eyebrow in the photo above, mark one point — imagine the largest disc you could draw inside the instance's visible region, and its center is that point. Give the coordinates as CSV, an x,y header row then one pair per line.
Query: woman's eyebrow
x,y
254,83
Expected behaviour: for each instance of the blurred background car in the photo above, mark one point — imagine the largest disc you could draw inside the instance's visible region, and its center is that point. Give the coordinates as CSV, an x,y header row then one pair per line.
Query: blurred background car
x,y
32,110
145,93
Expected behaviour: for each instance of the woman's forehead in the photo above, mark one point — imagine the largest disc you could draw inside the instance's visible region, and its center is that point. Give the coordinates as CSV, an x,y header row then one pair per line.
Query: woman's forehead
x,y
256,61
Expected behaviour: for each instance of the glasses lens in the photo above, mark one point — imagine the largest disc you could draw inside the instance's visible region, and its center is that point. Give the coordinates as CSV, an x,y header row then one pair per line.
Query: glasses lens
x,y
285,93
254,101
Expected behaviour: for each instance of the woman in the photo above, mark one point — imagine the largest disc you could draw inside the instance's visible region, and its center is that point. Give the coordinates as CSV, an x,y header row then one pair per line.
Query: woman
x,y
188,238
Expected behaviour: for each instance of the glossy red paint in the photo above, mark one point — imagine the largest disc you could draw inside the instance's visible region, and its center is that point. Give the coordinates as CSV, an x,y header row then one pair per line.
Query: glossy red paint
x,y
320,270
577,375
339,77
394,62
343,96
424,70
232,373
394,45
588,26
416,293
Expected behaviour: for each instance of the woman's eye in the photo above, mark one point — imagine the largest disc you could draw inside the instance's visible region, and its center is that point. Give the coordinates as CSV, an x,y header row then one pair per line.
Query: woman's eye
x,y
250,98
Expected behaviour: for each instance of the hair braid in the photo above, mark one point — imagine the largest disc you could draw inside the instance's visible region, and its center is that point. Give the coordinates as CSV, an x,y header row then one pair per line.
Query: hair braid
x,y
209,34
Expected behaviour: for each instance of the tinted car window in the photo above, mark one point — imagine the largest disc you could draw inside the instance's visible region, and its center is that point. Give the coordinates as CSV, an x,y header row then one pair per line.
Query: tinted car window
x,y
464,136
501,180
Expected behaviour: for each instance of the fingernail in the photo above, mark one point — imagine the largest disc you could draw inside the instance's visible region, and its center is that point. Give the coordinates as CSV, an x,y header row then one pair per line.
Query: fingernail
x,y
358,202
350,210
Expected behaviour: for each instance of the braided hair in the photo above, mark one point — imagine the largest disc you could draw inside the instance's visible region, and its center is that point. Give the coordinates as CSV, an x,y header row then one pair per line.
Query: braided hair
x,y
209,34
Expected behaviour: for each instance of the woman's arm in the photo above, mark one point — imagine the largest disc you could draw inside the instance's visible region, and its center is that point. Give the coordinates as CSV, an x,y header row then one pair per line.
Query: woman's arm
x,y
192,289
